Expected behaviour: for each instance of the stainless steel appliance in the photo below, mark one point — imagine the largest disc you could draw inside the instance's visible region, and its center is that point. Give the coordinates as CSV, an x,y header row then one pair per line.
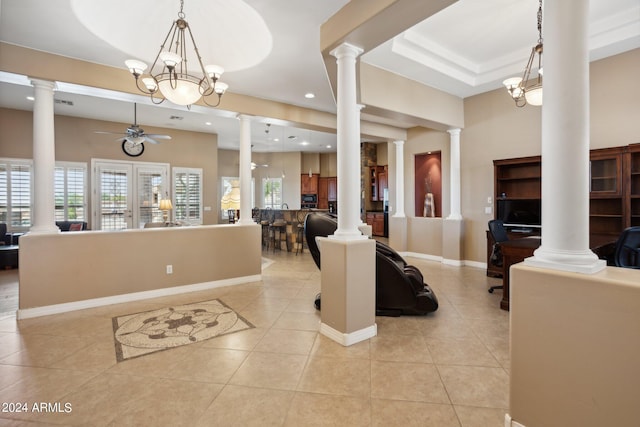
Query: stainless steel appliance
x,y
309,201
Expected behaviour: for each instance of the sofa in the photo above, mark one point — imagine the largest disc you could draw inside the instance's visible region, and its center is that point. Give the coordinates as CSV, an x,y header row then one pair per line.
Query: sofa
x,y
400,287
71,225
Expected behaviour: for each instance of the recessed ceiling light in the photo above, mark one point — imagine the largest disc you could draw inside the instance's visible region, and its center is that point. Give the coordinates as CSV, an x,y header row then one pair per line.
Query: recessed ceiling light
x,y
31,98
309,95
328,146
207,123
304,143
276,139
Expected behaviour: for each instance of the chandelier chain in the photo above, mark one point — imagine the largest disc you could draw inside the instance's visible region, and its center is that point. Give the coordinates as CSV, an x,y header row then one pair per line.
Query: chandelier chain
x,y
540,22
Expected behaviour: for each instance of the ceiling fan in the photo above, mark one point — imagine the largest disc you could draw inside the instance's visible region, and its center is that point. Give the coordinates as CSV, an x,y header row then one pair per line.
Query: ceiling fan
x,y
135,135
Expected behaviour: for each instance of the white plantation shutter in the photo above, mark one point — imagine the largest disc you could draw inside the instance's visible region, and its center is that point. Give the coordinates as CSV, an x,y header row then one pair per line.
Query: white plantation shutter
x,y
187,194
70,191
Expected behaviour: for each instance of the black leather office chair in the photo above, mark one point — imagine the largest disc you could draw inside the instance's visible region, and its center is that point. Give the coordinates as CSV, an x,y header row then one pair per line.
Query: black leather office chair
x,y
627,252
499,234
400,288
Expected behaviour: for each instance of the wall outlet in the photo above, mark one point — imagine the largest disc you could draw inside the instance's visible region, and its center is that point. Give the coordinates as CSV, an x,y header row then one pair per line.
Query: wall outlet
x,y
489,200
169,269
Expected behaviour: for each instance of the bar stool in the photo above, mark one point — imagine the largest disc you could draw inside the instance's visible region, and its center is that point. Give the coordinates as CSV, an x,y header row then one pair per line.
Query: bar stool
x,y
278,228
265,222
300,217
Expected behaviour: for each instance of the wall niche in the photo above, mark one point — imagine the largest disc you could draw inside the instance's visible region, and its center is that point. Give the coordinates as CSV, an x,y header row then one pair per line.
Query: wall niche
x,y
428,184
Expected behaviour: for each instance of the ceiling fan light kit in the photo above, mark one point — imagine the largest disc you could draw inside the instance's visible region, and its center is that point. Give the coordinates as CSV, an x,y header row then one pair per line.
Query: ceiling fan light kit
x,y
134,137
521,90
173,80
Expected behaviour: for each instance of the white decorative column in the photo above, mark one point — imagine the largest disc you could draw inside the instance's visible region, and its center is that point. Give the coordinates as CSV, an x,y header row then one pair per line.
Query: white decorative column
x,y
398,221
399,205
44,159
348,140
453,225
245,170
565,141
454,144
348,273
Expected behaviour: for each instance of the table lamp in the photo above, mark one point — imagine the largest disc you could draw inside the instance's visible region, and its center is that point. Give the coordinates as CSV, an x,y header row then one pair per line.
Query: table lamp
x,y
165,207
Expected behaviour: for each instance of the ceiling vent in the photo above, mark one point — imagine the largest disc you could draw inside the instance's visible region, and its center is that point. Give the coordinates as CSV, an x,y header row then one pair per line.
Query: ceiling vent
x,y
176,118
64,102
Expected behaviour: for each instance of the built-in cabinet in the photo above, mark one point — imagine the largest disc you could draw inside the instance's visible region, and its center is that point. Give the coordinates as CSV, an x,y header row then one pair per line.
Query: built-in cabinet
x,y
376,221
309,184
607,212
614,191
633,159
327,191
378,175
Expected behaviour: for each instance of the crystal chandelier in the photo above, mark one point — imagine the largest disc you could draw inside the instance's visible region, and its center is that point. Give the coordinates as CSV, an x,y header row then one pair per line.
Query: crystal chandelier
x,y
172,78
519,88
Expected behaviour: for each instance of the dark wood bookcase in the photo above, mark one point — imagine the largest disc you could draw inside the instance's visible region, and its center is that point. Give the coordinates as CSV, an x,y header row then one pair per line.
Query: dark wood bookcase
x,y
614,193
633,165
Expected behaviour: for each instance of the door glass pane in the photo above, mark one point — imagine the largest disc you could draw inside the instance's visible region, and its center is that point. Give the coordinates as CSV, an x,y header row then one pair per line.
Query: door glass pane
x,y
114,185
150,185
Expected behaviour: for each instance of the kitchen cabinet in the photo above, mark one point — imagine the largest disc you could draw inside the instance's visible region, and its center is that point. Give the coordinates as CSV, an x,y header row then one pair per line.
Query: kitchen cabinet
x,y
309,184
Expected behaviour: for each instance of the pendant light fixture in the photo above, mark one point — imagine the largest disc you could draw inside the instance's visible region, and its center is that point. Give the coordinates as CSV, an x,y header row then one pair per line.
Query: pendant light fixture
x,y
521,90
171,77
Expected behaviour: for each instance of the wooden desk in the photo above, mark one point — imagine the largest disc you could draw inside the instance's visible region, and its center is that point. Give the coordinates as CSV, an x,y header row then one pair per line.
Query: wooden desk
x,y
513,252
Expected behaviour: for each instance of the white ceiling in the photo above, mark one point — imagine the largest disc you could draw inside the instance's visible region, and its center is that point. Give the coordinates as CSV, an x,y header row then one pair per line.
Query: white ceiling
x,y
467,48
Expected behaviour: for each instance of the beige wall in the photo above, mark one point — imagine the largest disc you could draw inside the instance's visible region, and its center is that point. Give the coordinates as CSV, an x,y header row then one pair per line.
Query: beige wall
x,y
76,266
496,129
76,141
575,347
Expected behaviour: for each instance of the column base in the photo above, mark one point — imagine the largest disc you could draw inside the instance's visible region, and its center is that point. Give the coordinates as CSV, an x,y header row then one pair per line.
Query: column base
x,y
351,338
348,286
44,229
576,261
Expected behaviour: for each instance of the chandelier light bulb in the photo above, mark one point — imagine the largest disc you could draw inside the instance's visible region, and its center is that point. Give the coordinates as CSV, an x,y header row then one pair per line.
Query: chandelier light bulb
x,y
150,84
170,59
221,88
135,67
214,71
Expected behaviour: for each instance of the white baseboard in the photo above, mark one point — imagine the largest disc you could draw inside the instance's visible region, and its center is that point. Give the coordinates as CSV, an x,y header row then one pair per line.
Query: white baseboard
x,y
46,310
421,256
351,338
453,262
476,264
508,422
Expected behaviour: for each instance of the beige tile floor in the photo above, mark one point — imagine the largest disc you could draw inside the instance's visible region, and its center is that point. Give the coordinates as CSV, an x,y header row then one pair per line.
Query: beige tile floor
x,y
449,368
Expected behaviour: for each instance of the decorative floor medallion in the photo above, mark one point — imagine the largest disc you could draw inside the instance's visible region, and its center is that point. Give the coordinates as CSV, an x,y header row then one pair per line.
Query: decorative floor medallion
x,y
151,331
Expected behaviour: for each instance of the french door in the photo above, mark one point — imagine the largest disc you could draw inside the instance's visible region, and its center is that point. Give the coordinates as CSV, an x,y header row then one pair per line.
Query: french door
x,y
127,194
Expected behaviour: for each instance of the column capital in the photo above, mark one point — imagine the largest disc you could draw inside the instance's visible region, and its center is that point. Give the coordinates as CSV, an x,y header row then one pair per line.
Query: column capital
x,y
399,143
47,84
244,116
455,131
346,49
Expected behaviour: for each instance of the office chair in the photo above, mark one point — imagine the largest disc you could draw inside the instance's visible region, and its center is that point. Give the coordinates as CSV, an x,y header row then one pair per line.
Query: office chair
x,y
627,252
499,234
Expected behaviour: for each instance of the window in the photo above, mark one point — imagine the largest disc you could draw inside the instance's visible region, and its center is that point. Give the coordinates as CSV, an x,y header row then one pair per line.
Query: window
x,y
272,192
70,191
187,195
15,193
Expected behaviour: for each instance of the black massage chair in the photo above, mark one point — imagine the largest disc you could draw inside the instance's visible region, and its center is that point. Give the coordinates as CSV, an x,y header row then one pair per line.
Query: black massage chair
x,y
400,288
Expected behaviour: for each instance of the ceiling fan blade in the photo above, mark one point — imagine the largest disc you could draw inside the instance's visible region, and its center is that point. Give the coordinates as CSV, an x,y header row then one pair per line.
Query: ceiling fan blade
x,y
151,140
157,136
108,133
135,139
